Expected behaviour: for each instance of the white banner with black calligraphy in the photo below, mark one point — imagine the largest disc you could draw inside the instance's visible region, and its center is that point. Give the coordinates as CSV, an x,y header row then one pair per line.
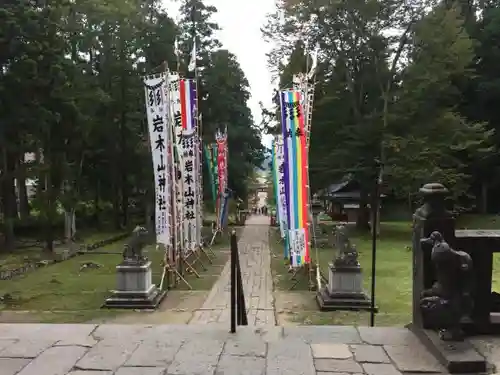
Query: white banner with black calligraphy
x,y
157,115
199,185
175,113
280,171
297,244
190,194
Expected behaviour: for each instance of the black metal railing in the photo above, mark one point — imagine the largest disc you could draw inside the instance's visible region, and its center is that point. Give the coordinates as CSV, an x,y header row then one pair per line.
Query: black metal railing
x,y
238,309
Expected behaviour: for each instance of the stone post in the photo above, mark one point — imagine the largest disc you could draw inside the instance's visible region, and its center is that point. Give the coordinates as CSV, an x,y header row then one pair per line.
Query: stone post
x,y
316,208
431,216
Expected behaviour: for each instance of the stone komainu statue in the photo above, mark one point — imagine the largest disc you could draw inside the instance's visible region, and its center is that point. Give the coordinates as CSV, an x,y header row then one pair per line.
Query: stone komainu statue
x,y
132,251
449,299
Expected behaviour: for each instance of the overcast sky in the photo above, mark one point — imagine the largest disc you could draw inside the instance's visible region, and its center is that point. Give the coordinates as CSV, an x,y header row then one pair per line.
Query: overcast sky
x,y
240,22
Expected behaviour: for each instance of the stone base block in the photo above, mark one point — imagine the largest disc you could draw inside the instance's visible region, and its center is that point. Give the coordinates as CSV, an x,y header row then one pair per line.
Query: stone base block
x,y
146,300
343,301
458,357
135,289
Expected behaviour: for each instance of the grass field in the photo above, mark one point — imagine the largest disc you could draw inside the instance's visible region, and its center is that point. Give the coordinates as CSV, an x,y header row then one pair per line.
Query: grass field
x,y
31,250
393,275
63,293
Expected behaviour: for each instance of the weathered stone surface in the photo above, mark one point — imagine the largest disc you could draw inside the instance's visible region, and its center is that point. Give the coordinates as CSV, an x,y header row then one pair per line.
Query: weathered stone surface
x,y
86,341
413,358
230,364
387,336
337,365
332,351
153,354
140,371
198,357
6,343
67,331
265,334
323,334
26,348
380,369
11,366
107,355
370,353
249,348
18,331
80,372
58,360
37,332
127,332
255,262
489,347
289,356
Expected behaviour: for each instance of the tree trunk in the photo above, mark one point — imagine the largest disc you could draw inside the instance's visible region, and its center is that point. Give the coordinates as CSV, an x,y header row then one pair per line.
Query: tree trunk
x,y
8,202
124,203
97,208
49,222
377,224
24,206
116,206
123,137
150,225
484,198
69,224
363,218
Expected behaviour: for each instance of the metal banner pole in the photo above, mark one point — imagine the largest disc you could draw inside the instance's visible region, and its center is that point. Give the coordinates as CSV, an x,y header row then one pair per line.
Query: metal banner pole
x,y
375,209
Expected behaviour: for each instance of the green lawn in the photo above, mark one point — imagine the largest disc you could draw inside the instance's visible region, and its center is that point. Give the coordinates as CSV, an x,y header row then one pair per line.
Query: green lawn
x,y
61,293
394,273
31,251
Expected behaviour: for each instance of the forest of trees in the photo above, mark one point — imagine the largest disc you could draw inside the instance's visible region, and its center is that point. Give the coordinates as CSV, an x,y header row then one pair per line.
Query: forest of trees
x,y
71,94
411,83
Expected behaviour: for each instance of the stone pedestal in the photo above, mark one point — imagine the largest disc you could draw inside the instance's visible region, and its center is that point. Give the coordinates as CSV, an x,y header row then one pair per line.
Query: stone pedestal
x,y
315,231
135,289
344,290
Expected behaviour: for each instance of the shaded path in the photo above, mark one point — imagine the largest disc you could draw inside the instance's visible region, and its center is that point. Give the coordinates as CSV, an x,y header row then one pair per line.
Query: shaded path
x,y
255,260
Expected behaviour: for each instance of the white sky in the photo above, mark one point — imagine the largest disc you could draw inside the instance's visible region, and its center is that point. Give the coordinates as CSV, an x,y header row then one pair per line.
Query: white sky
x,y
240,22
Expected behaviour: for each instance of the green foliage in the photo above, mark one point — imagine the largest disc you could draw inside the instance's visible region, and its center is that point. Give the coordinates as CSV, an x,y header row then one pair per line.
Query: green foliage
x,y
71,93
395,82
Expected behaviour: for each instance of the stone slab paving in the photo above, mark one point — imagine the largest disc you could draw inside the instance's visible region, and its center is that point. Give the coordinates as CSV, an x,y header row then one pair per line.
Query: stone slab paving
x,y
58,349
255,261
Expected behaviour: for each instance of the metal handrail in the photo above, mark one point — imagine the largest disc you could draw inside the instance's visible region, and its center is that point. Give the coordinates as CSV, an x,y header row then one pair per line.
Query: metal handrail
x,y
238,308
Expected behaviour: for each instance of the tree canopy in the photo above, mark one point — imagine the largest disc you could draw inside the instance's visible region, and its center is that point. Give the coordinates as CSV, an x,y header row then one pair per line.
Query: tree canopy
x,y
407,83
71,95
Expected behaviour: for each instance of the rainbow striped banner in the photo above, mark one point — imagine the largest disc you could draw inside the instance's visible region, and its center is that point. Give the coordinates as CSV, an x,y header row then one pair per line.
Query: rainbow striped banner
x,y
187,92
295,174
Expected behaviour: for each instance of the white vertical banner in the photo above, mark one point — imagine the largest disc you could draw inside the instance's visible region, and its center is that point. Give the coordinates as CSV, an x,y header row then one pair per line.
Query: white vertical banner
x,y
199,185
280,177
190,193
175,97
176,117
157,116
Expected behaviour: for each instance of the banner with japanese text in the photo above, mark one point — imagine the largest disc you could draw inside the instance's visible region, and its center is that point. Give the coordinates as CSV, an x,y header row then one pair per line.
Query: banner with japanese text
x,y
221,140
281,205
208,149
159,135
295,174
190,196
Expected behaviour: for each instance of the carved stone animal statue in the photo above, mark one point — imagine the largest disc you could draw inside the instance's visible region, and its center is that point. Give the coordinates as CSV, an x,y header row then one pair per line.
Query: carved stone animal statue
x,y
132,250
449,299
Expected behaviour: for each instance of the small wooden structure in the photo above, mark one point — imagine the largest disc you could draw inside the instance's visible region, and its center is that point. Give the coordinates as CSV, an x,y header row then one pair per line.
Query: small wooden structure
x,y
342,200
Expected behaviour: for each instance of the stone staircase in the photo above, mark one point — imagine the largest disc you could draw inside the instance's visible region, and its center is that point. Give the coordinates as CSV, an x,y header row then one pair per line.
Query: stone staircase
x,y
86,349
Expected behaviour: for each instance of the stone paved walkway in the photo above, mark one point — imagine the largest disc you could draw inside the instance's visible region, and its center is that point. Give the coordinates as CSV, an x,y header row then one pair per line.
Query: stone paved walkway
x,y
255,261
85,349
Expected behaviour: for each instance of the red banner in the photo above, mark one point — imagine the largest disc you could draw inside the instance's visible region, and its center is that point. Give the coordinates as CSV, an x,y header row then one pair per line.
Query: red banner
x,y
222,165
